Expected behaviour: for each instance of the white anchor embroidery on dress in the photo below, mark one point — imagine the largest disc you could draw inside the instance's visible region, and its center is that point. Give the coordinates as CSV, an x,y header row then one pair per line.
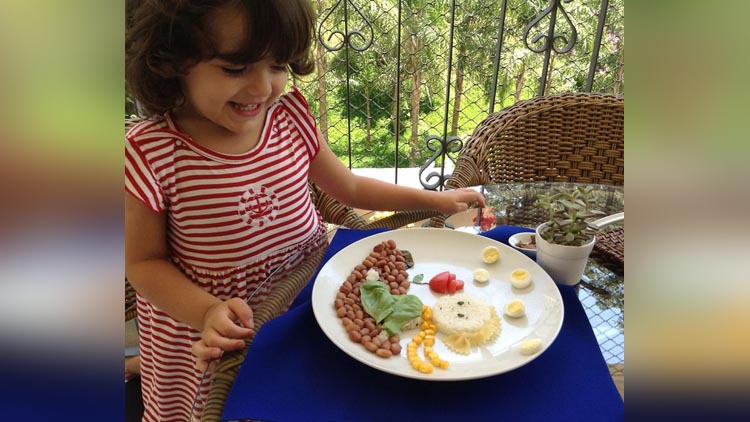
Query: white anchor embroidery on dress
x,y
258,206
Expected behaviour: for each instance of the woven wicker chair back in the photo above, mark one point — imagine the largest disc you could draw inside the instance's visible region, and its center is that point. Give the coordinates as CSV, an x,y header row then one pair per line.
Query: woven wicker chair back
x,y
571,137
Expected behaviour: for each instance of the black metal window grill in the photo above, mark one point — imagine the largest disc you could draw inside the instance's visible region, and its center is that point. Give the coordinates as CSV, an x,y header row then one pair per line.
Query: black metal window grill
x,y
402,83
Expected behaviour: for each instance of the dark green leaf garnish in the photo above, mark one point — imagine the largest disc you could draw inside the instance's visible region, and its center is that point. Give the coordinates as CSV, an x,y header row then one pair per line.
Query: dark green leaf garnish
x,y
408,259
418,278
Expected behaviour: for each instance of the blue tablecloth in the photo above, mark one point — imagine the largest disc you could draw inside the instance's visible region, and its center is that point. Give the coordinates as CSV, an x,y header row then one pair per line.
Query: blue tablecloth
x,y
293,372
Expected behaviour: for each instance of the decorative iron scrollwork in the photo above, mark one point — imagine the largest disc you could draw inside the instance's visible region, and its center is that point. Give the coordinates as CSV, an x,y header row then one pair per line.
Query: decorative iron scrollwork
x,y
453,145
549,44
346,37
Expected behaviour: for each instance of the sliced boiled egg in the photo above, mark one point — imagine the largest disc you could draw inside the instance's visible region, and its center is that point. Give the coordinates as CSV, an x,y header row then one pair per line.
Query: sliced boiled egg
x,y
481,275
515,308
531,346
520,278
490,254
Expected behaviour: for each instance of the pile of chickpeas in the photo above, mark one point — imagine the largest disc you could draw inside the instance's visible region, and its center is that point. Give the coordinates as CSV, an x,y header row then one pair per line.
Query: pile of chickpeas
x,y
390,264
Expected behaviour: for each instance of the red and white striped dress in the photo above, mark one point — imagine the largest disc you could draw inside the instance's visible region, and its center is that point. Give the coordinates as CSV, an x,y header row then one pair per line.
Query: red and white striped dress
x,y
231,220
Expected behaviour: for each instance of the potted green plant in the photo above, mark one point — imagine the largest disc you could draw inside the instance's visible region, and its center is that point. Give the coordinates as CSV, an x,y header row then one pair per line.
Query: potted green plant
x,y
566,239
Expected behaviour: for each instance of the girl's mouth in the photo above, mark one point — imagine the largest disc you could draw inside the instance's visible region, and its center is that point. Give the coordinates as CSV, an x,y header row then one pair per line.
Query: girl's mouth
x,y
245,109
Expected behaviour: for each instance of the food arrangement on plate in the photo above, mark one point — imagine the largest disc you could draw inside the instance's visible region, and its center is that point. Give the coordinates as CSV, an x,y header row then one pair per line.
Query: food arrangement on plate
x,y
372,303
374,306
368,273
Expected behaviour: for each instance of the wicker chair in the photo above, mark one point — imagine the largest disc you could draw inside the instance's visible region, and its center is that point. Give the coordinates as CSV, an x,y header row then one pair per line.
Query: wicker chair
x,y
571,137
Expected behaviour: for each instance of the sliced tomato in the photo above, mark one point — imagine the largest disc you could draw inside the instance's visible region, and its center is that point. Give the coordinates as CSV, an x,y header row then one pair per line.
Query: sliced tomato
x,y
459,285
439,283
445,282
452,285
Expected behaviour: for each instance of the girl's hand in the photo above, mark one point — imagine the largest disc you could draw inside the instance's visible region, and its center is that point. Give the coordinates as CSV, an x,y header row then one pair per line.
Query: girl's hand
x,y
206,357
454,201
132,367
220,332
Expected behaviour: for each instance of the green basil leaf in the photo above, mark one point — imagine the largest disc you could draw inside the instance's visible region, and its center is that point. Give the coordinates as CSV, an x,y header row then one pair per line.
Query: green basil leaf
x,y
376,299
405,309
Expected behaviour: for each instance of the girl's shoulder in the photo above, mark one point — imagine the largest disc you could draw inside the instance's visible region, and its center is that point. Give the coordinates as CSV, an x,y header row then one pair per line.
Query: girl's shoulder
x,y
142,132
297,111
294,101
139,127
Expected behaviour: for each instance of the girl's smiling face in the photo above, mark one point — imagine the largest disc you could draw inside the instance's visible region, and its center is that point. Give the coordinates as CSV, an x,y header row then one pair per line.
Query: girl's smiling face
x,y
224,99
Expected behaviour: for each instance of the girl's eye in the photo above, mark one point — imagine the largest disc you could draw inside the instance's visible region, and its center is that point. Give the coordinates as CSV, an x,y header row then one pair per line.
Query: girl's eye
x,y
279,67
233,71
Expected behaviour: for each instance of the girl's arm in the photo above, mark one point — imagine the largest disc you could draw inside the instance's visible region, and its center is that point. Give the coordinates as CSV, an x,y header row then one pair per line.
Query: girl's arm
x,y
366,193
158,280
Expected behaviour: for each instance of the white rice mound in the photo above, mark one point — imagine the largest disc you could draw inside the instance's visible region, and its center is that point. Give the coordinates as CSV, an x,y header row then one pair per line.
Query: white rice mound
x,y
465,321
460,313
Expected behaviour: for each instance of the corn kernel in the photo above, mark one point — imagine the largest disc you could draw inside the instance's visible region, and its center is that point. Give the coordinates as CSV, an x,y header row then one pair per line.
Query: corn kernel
x,y
425,368
427,337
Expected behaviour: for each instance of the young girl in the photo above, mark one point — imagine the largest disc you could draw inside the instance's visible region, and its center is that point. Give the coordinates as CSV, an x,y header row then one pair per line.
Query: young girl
x,y
216,179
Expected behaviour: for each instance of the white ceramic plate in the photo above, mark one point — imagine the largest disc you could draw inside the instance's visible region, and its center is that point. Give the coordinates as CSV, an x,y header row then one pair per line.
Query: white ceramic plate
x,y
434,251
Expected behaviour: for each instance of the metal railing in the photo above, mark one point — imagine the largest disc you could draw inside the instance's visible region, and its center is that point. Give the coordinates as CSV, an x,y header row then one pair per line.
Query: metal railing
x,y
402,83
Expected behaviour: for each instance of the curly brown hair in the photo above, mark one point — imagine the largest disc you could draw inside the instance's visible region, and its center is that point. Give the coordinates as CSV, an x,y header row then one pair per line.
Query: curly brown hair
x,y
165,38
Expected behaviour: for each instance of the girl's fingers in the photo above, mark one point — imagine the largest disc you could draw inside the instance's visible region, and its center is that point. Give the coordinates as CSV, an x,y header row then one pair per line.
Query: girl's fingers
x,y
201,364
470,195
216,340
206,356
229,329
242,311
203,351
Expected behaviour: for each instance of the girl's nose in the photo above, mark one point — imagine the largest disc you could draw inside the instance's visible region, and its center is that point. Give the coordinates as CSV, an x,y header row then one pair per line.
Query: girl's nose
x,y
258,83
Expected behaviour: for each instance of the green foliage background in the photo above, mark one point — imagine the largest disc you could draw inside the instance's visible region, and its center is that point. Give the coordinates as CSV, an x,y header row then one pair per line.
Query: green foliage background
x,y
425,42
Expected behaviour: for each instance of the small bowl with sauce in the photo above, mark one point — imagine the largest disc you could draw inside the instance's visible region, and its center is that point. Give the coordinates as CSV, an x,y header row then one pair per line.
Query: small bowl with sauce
x,y
524,242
